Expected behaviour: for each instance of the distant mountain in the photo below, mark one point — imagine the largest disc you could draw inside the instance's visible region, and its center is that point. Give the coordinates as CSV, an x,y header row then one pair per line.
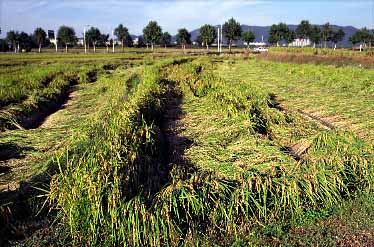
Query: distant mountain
x,y
262,32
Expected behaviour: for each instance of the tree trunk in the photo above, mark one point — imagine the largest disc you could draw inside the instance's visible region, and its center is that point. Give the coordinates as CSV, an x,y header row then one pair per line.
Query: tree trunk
x,y
94,46
184,49
165,46
152,46
66,48
314,45
107,49
207,47
277,43
230,46
122,45
40,47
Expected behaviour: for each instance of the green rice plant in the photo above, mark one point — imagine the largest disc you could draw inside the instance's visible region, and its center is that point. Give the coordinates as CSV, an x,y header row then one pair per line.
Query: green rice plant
x,y
115,189
119,158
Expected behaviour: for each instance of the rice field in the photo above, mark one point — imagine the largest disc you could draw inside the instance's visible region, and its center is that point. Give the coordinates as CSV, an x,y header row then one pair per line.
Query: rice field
x,y
184,150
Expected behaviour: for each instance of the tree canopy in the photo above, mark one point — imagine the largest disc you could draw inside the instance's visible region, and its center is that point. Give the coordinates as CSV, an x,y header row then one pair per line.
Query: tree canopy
x,y
12,37
66,35
207,35
304,30
248,37
232,31
93,35
166,39
290,36
40,37
315,35
327,33
278,32
183,37
152,33
361,36
337,36
122,34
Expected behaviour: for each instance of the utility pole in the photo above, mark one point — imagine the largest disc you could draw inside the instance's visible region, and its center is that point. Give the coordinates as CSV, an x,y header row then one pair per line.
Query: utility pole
x,y
56,41
84,40
113,39
221,39
218,41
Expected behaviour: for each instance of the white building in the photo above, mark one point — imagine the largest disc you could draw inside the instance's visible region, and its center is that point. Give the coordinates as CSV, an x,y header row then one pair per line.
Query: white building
x,y
135,41
300,43
80,41
256,43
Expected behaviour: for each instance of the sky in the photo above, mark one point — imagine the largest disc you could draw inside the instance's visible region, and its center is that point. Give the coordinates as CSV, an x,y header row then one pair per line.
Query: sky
x,y
26,15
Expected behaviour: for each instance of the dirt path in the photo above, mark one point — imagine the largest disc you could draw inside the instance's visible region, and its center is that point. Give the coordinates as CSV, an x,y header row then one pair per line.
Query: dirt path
x,y
53,119
172,127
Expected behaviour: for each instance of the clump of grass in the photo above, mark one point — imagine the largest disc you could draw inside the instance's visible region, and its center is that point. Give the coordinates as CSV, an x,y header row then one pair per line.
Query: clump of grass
x,y
121,157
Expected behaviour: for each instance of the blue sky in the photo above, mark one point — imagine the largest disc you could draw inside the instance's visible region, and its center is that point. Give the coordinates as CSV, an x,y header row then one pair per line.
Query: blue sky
x,y
25,15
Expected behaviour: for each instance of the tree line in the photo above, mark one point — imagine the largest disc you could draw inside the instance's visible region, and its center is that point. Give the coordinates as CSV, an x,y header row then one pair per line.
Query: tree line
x,y
153,35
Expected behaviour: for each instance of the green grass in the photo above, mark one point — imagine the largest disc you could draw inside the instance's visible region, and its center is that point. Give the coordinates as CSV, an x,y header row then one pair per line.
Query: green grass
x,y
321,51
234,180
114,187
32,149
344,95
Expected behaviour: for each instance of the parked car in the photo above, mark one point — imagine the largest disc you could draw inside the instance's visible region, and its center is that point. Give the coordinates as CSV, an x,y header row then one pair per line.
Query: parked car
x,y
260,49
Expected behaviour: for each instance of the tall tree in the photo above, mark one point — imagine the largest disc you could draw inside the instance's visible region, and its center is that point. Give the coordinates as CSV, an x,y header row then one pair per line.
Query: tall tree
x,y
12,37
315,35
66,35
326,33
290,37
232,31
122,34
166,39
248,37
104,40
278,33
183,38
304,30
207,35
40,37
361,36
93,35
25,41
337,36
354,39
152,33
